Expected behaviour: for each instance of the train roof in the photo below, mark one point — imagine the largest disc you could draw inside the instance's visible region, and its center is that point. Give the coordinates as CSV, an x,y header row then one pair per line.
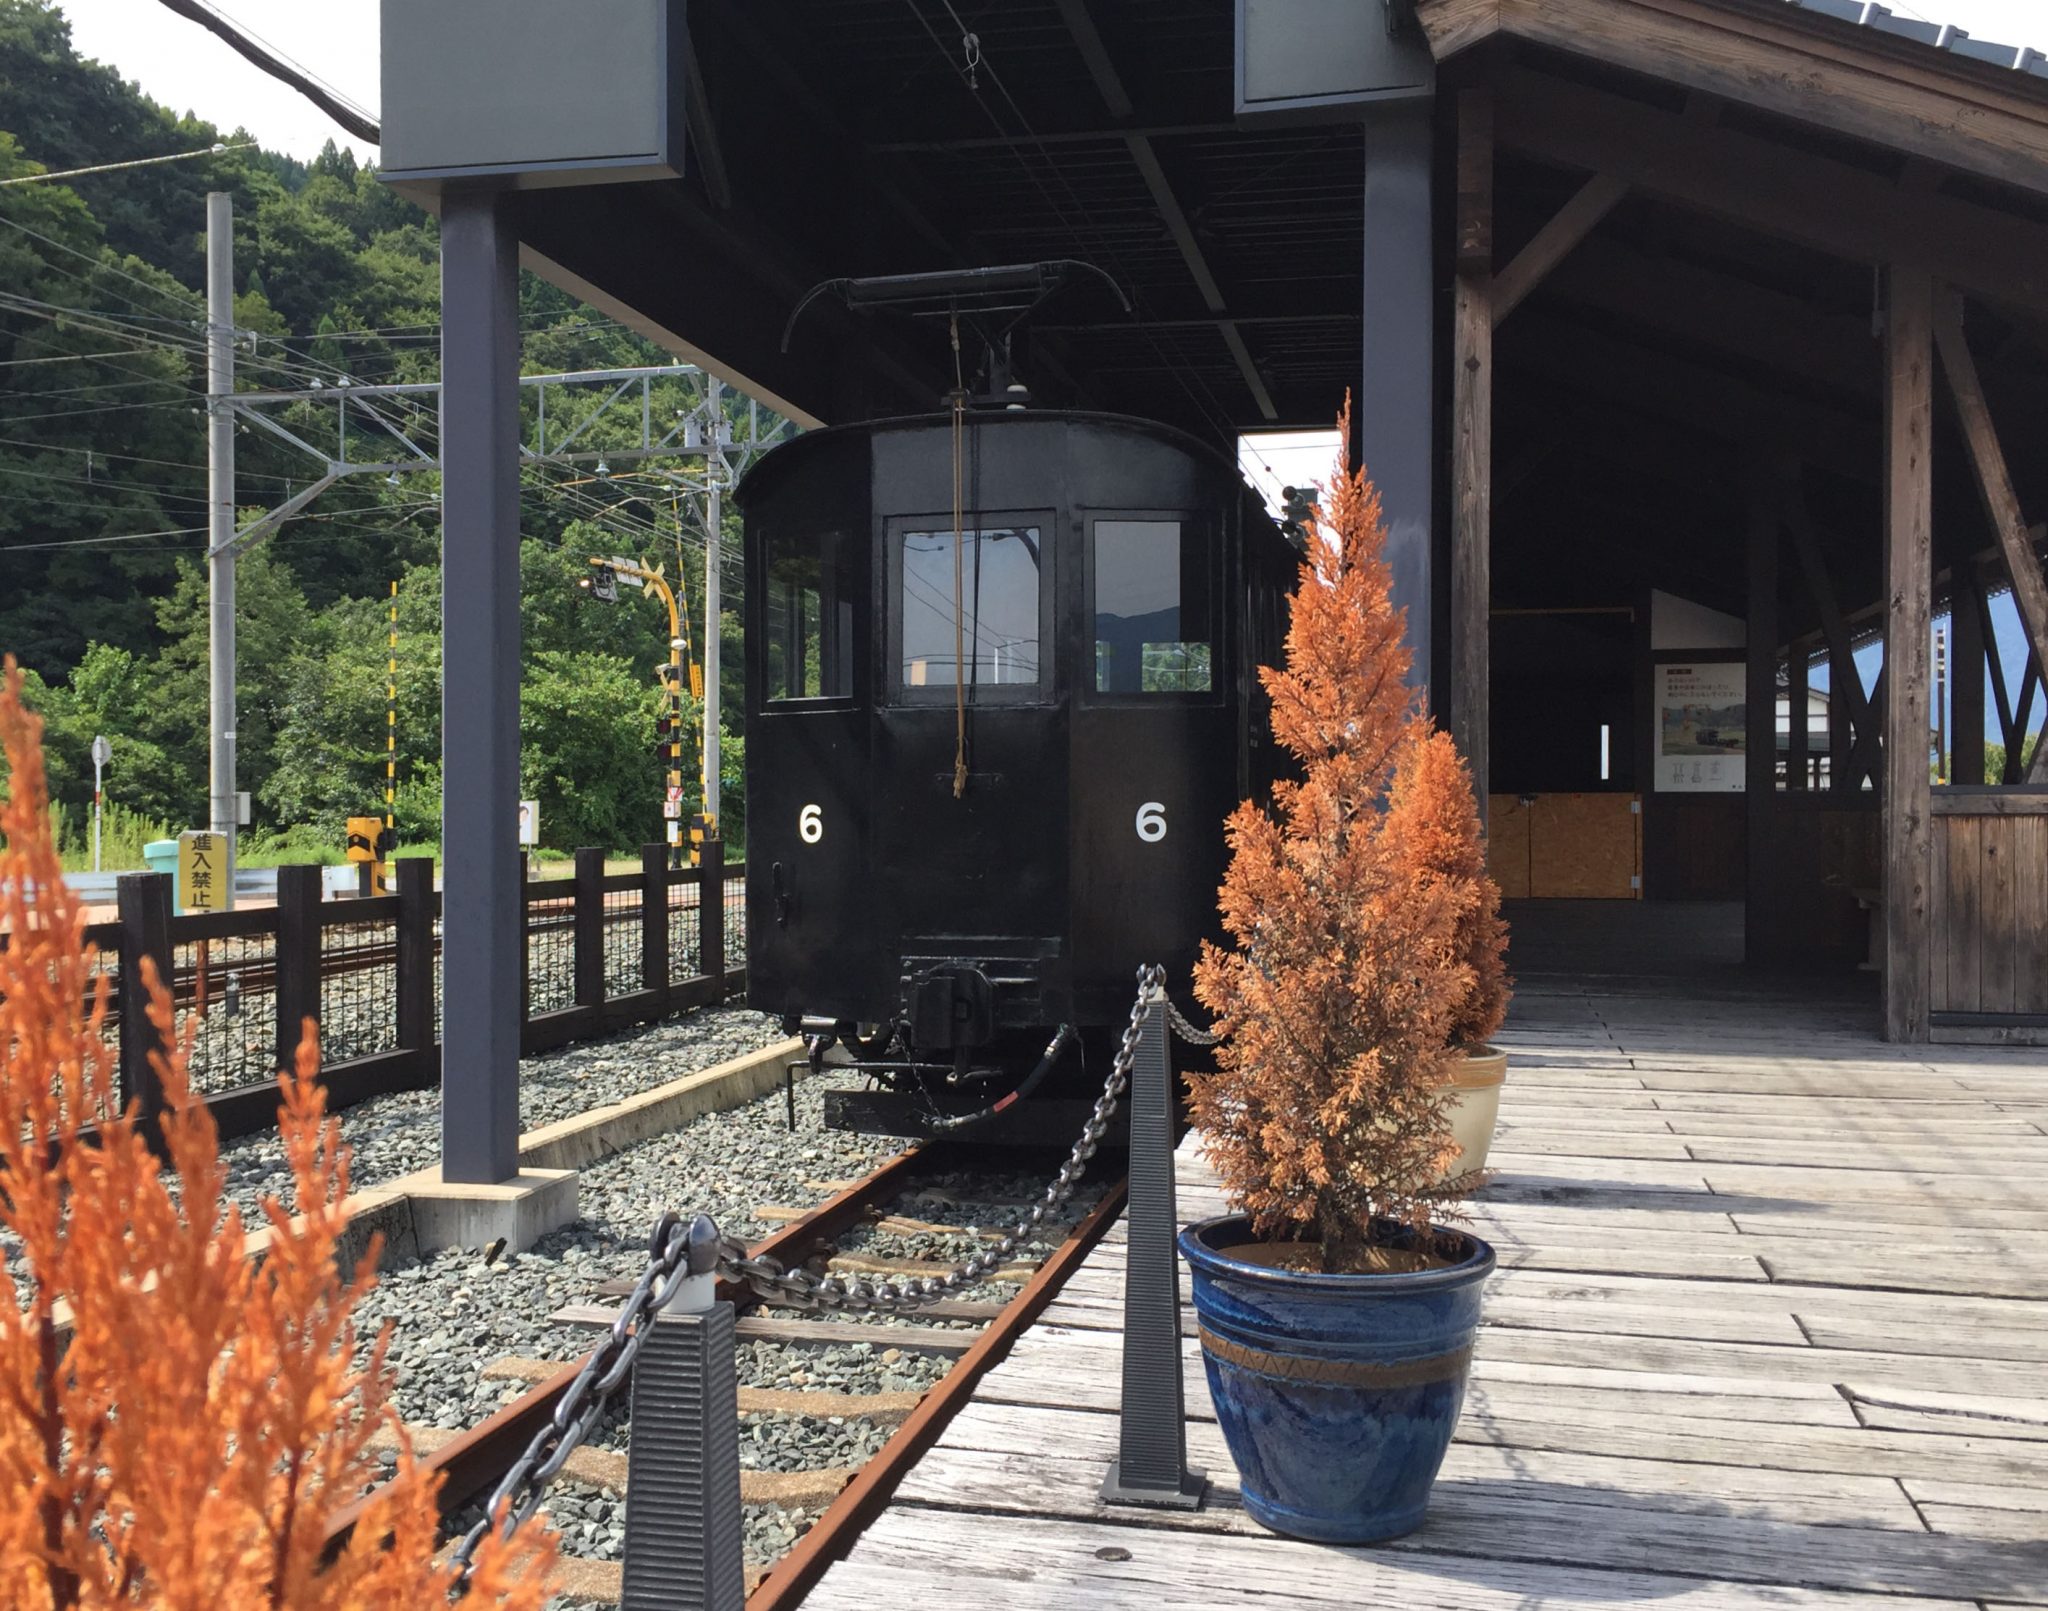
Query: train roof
x,y
789,457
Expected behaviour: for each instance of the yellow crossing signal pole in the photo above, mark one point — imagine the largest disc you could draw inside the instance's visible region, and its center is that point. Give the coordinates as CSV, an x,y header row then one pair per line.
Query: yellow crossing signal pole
x,y
668,724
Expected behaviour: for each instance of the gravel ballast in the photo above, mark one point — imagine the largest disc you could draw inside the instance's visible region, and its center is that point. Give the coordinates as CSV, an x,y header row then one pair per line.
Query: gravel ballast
x,y
456,1312
391,1136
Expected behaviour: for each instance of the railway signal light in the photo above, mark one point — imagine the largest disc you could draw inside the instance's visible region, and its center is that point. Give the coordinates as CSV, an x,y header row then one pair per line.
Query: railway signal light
x,y
1300,508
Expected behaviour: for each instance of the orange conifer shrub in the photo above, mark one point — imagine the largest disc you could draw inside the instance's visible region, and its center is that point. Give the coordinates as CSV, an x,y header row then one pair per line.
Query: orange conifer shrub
x,y
1436,818
187,1445
1338,997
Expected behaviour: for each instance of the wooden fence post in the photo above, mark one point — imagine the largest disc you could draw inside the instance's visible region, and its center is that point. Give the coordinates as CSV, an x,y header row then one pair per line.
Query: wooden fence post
x,y
711,910
143,903
297,957
654,920
416,957
589,929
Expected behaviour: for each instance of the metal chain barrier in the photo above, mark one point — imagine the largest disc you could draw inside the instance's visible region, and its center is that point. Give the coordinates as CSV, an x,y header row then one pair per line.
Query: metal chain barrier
x,y
676,1251
679,1250
1186,1030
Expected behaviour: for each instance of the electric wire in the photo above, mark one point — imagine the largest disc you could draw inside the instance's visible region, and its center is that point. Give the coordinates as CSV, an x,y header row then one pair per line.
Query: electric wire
x,y
1206,402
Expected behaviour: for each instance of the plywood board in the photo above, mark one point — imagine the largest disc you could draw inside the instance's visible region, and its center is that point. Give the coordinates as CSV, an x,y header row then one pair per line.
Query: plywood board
x,y
1585,847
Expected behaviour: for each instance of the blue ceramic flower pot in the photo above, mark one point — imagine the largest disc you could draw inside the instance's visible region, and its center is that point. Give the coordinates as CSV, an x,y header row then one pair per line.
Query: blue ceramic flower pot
x,y
1337,1393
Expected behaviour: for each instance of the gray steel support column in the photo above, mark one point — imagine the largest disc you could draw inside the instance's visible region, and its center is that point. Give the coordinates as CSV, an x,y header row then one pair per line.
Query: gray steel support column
x,y
1395,416
1151,1467
481,915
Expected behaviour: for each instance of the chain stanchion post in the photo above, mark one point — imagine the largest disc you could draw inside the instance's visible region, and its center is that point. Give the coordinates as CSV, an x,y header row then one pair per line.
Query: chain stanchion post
x,y
1151,1467
683,1544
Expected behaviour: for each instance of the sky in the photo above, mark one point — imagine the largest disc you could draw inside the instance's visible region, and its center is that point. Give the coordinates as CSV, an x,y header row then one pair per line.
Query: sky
x,y
189,70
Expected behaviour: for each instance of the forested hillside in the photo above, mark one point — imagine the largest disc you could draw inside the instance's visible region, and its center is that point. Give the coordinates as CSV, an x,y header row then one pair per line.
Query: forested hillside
x,y
103,479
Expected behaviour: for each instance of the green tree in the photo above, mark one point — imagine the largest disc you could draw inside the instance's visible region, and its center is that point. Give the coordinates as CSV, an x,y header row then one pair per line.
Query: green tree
x,y
586,728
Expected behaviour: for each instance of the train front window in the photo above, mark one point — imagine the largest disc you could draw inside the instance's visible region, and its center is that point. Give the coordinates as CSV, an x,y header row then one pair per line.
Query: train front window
x,y
1154,610
968,608
809,614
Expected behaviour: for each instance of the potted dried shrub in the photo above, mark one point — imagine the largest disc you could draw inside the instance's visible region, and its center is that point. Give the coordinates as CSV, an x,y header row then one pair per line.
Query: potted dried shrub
x,y
1434,806
1336,1311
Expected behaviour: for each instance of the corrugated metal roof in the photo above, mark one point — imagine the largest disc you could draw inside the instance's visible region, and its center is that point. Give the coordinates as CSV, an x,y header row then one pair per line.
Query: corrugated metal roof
x,y
1940,35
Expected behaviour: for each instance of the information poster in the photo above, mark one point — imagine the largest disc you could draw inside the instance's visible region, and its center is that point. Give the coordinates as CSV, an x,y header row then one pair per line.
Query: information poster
x,y
1702,726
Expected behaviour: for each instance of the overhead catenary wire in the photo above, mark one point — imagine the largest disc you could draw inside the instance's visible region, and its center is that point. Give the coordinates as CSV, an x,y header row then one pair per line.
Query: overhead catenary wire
x,y
1206,402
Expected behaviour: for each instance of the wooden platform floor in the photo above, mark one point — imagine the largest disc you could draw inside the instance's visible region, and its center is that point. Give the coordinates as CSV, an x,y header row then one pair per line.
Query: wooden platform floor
x,y
1770,1330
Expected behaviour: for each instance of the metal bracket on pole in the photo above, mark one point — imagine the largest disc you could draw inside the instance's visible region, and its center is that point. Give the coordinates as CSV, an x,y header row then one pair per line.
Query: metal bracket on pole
x,y
1151,1467
684,1550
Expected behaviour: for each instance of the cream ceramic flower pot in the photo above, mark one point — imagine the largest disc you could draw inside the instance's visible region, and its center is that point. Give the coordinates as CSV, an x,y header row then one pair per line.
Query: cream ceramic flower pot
x,y
1475,1105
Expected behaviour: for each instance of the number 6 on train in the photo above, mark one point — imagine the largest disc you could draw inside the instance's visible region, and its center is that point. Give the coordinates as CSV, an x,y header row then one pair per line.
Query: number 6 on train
x,y
810,824
1152,822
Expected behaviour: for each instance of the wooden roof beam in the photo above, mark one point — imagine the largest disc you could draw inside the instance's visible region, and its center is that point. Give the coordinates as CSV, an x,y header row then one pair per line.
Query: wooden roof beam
x,y
1677,298
1702,398
1861,82
1832,206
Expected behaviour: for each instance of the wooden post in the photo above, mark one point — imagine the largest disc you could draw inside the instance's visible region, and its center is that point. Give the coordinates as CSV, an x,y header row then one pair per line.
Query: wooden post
x,y
416,956
298,958
143,904
589,929
1966,676
1909,524
711,909
1760,721
654,918
1472,443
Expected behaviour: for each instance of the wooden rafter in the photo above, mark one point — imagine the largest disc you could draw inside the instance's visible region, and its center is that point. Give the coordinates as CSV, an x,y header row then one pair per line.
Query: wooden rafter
x,y
1781,59
1994,484
1833,206
1571,224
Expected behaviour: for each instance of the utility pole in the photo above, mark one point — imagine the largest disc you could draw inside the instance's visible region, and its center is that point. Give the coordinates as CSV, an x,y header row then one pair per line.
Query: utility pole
x,y
715,466
220,524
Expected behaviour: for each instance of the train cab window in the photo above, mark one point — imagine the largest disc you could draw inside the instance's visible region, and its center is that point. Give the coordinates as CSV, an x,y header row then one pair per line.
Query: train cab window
x,y
1154,610
997,576
811,581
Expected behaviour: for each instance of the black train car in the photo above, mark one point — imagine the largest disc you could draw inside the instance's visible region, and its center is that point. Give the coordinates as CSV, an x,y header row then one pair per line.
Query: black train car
x,y
1114,589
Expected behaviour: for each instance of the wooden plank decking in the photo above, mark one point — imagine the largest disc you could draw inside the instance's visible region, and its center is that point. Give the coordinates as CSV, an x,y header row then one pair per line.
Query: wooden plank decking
x,y
1771,1330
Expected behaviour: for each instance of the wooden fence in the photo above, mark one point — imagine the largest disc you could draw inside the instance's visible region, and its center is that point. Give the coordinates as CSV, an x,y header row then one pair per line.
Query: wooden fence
x,y
1989,908
603,951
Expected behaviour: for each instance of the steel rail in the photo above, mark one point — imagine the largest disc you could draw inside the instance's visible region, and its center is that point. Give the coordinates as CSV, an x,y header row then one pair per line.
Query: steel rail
x,y
868,1494
472,1464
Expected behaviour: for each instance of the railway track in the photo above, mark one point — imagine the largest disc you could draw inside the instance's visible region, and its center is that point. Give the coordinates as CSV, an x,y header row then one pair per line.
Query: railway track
x,y
959,1340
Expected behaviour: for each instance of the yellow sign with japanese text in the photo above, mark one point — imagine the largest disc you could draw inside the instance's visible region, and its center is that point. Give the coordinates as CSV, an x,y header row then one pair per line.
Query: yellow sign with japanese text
x,y
202,871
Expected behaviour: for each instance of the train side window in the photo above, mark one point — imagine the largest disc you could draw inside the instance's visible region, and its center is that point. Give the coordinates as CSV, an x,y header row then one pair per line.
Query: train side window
x,y
1154,607
998,572
810,609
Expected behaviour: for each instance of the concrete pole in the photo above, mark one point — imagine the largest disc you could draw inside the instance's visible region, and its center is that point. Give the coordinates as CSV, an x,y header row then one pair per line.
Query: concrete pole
x,y
1395,414
220,525
482,915
714,518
